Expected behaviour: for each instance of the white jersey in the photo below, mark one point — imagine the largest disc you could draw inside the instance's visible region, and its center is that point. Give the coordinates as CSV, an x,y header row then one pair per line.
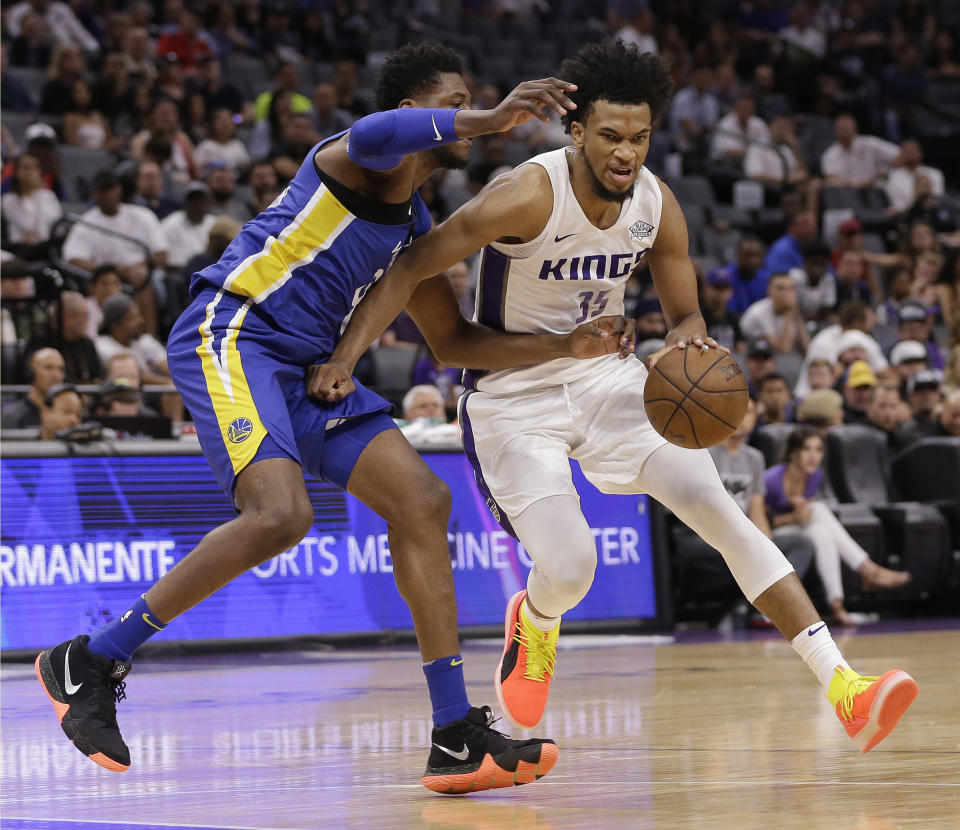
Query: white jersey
x,y
572,273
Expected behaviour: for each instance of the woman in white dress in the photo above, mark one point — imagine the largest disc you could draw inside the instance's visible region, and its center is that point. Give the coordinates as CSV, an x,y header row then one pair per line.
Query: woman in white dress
x,y
29,209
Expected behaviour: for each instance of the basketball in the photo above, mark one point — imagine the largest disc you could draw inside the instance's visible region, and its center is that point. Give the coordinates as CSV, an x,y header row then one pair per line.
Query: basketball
x,y
696,399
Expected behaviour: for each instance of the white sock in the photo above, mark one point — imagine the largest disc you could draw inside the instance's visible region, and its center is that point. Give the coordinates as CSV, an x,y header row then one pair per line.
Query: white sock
x,y
543,623
818,650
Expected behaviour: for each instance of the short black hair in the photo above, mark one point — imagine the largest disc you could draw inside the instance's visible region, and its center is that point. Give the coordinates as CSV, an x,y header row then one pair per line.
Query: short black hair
x,y
773,376
853,312
411,69
101,270
616,72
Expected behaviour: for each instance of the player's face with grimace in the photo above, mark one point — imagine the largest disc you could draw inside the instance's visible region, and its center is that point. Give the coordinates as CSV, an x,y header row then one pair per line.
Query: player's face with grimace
x,y
614,139
450,92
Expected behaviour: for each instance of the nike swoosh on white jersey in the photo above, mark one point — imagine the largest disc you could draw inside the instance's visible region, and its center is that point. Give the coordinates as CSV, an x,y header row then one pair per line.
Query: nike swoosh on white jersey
x,y
435,130
460,755
68,682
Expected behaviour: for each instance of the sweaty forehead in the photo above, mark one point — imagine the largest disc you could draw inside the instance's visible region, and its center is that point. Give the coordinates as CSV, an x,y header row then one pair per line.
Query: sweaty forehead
x,y
626,119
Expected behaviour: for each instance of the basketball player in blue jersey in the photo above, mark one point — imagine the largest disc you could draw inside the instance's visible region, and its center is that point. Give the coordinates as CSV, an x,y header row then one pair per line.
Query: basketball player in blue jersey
x,y
270,307
560,235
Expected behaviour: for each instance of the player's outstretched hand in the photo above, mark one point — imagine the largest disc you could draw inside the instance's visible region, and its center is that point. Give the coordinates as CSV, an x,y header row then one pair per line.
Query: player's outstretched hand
x,y
329,382
605,335
686,341
529,100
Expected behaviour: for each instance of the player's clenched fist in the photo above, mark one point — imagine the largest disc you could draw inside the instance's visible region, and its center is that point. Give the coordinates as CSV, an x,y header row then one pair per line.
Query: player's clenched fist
x,y
605,335
329,382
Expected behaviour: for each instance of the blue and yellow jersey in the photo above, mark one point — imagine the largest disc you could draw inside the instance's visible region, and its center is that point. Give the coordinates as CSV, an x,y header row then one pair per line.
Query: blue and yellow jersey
x,y
308,259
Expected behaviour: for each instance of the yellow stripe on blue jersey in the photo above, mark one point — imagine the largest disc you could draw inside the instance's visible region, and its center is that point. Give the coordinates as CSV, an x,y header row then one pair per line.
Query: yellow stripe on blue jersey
x,y
227,386
311,231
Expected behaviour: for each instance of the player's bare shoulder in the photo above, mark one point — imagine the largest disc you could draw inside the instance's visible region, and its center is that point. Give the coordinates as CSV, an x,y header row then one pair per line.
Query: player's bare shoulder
x,y
521,200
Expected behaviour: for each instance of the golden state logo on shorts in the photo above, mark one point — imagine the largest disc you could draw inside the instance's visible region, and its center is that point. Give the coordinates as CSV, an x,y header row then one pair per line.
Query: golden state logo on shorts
x,y
239,430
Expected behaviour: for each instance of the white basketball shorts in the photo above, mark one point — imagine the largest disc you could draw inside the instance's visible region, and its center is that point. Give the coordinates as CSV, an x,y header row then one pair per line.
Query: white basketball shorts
x,y
519,443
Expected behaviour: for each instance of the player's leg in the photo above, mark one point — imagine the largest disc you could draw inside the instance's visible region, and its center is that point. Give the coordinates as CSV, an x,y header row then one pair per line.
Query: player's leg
x,y
687,483
377,465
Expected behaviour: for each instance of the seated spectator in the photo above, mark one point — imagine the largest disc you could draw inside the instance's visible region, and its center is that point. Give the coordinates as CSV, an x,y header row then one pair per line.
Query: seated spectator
x,y
403,333
924,286
787,251
770,103
267,134
29,209
222,148
218,94
898,291
222,183
821,409
63,409
286,79
792,501
81,361
760,363
118,396
738,130
746,274
924,396
908,357
855,160
779,165
126,366
850,238
59,18
809,39
949,420
816,285
149,192
850,285
33,45
42,145
912,180
694,111
87,246
649,319
741,470
821,374
722,325
826,344
773,403
83,126
15,96
424,401
124,330
187,231
46,370
112,92
66,68
222,232
328,118
884,414
165,123
777,318
916,323
104,282
346,78
264,186
858,390
429,370
187,42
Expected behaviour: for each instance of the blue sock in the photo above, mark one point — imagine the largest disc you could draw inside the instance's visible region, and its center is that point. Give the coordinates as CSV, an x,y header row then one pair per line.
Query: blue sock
x,y
121,637
447,691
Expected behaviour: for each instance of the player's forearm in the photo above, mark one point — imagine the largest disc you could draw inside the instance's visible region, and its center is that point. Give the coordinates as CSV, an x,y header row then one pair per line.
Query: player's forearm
x,y
476,346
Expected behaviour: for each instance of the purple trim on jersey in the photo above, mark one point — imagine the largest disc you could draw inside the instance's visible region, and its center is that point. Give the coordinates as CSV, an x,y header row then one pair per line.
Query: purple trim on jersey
x,y
491,297
470,448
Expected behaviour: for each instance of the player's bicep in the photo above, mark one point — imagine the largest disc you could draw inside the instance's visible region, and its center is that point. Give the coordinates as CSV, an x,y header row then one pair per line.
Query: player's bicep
x,y
670,263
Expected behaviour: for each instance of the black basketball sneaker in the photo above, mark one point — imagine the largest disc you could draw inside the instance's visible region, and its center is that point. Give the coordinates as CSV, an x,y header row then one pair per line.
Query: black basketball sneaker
x,y
84,689
468,756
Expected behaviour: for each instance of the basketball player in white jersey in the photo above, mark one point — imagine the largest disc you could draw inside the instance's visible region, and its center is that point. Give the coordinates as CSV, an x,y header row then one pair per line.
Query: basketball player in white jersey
x,y
560,235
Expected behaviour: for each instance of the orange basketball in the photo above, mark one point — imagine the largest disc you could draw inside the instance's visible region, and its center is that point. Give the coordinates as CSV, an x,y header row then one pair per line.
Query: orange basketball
x,y
695,398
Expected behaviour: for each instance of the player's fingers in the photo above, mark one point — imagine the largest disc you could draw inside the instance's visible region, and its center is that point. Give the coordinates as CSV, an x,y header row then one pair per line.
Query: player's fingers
x,y
713,344
652,360
555,91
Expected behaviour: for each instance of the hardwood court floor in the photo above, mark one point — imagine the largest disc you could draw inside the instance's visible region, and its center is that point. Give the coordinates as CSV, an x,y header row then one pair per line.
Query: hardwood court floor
x,y
710,735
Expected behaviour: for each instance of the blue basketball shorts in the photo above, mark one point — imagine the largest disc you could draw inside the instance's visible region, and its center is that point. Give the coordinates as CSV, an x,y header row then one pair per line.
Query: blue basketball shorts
x,y
248,397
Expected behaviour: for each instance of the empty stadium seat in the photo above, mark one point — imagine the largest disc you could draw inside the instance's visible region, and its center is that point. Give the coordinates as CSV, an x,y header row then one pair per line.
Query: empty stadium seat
x,y
857,465
78,166
393,369
693,190
770,439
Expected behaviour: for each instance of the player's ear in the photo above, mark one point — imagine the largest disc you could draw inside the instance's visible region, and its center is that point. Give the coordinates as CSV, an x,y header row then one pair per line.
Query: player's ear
x,y
577,133
407,102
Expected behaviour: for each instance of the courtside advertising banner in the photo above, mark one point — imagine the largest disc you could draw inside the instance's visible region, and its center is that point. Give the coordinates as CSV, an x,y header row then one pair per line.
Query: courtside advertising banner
x,y
83,536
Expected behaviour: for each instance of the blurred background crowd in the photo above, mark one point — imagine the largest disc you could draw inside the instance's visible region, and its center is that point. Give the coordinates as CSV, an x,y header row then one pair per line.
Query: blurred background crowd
x,y
811,145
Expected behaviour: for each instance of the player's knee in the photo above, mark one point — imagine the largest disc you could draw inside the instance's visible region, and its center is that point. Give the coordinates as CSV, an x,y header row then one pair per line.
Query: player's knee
x,y
429,501
571,575
284,525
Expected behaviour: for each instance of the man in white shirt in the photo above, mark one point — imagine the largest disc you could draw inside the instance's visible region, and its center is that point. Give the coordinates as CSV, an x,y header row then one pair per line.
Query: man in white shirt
x,y
777,317
187,231
639,30
816,286
855,160
123,331
780,164
64,25
912,180
737,131
694,109
139,246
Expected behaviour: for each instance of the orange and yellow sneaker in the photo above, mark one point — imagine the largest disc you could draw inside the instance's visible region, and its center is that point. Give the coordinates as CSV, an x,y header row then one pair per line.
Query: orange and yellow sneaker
x,y
870,707
522,679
